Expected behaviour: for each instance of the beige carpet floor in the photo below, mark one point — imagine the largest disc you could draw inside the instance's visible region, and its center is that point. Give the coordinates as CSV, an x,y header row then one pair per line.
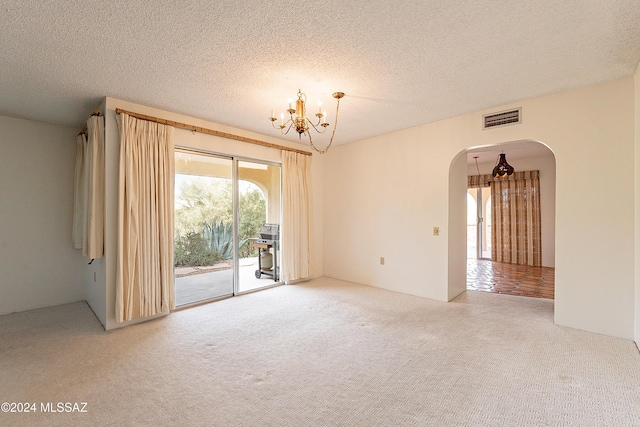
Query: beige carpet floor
x,y
323,353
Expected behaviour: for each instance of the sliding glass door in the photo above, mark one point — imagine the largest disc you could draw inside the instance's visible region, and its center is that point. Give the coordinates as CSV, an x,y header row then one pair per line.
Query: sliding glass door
x,y
203,238
221,205
259,204
479,223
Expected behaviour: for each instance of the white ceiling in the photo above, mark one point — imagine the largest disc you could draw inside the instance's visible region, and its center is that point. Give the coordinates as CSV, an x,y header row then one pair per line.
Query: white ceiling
x,y
400,63
514,151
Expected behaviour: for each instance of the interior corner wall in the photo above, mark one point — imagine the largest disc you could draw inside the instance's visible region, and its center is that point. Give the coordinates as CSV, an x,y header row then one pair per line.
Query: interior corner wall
x,y
94,275
317,217
457,235
195,140
384,195
37,166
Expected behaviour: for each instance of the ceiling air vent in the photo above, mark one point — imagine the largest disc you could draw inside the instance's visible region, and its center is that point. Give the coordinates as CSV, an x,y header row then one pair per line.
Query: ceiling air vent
x,y
503,118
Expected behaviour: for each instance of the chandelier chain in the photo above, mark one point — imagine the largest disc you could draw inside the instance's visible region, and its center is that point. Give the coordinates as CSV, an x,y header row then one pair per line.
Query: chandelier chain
x,y
302,124
335,126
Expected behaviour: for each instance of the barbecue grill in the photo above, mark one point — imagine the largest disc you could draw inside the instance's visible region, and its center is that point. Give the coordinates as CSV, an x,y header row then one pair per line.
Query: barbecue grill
x,y
268,240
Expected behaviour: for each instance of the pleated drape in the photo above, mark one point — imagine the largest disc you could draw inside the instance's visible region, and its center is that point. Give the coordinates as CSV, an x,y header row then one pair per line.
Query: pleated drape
x,y
516,236
79,193
144,279
296,216
94,234
88,204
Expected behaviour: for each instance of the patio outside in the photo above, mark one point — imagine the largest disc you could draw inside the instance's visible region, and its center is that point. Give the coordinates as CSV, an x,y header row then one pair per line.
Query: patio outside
x,y
194,284
204,250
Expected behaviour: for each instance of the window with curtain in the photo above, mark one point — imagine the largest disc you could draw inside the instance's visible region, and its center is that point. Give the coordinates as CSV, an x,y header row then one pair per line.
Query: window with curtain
x,y
296,216
516,235
144,277
88,190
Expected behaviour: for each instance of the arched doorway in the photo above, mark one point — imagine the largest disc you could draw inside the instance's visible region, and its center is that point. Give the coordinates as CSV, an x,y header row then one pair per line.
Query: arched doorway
x,y
524,155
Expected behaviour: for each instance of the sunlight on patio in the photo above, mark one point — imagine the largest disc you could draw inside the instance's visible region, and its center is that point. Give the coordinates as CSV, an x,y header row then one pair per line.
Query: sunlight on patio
x,y
195,284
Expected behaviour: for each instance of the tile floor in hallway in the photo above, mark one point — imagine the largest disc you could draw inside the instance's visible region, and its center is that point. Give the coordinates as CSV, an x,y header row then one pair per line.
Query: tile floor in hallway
x,y
510,279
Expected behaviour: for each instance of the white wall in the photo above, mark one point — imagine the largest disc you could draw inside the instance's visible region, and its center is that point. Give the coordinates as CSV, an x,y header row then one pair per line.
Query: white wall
x,y
637,193
38,266
457,251
383,195
547,167
195,140
94,277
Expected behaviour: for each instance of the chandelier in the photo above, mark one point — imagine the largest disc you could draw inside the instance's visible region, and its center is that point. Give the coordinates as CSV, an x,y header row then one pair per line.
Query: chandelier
x,y
502,168
299,121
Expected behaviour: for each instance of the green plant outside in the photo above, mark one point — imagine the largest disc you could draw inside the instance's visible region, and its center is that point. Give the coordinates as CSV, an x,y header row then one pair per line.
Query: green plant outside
x,y
200,242
191,250
219,239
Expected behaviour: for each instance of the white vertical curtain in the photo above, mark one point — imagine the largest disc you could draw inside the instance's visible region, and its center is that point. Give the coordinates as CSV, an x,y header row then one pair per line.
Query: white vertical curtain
x,y
88,212
296,216
144,278
516,236
79,193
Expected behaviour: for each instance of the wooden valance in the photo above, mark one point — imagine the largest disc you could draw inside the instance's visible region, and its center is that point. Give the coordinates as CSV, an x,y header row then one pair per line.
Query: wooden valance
x,y
210,131
478,181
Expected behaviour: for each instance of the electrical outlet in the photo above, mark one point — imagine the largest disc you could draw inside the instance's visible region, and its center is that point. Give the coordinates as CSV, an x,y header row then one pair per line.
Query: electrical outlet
x,y
436,231
381,260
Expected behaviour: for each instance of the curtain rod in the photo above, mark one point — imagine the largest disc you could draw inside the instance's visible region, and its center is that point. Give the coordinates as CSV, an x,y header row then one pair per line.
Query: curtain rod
x,y
96,112
210,131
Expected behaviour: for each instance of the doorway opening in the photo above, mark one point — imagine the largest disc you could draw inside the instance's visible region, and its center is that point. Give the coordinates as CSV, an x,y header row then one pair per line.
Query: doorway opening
x,y
479,223
509,277
221,203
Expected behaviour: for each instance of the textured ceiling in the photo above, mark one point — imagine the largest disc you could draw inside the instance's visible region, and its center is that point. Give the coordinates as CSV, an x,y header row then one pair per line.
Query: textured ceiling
x,y
515,150
400,63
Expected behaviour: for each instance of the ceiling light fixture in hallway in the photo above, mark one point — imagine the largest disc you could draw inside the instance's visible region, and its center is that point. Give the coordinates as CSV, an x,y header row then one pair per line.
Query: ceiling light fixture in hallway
x,y
502,168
